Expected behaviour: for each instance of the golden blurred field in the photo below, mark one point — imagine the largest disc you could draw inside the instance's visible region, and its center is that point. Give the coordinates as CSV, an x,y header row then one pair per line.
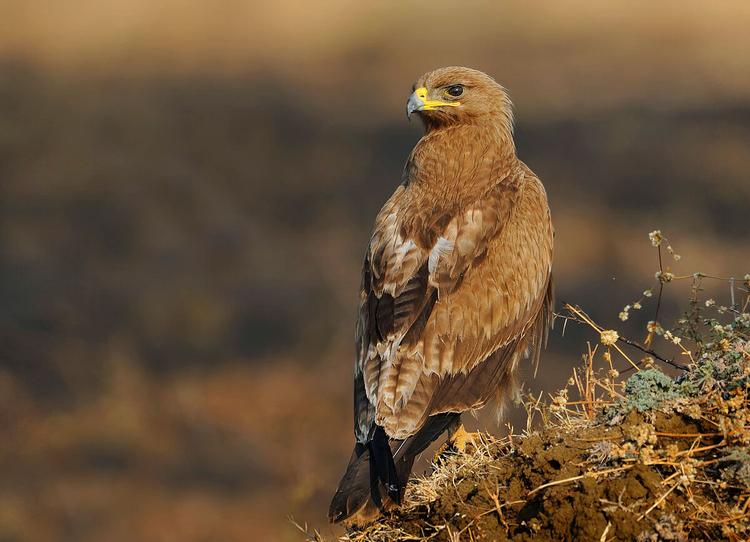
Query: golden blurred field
x,y
186,189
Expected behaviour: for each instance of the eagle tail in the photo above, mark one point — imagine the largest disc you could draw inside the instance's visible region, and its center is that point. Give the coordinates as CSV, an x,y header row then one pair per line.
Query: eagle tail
x,y
375,479
370,484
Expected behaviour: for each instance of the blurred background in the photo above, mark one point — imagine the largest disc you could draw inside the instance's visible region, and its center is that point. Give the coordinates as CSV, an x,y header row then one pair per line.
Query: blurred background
x,y
187,188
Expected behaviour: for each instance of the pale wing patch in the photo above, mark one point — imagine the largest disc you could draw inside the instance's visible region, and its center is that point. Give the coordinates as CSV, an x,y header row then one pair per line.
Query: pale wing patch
x,y
389,348
404,249
443,247
466,237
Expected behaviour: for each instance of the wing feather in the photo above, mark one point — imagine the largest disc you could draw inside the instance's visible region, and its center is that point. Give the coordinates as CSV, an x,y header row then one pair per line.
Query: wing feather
x,y
449,301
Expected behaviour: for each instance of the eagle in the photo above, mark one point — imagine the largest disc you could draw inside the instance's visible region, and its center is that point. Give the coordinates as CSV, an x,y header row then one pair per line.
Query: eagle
x,y
456,287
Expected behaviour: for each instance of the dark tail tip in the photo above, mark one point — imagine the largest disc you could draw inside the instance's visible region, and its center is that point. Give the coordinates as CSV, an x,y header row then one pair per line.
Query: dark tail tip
x,y
383,465
374,481
370,484
354,488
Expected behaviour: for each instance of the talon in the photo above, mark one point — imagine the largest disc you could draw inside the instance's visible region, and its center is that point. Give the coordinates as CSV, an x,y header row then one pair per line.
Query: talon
x,y
440,451
461,438
458,441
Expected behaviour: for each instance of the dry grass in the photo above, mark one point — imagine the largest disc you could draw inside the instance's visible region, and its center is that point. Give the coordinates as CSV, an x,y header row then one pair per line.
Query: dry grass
x,y
686,438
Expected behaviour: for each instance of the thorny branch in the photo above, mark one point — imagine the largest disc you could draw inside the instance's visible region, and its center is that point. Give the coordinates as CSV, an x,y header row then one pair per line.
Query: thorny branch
x,y
650,352
622,339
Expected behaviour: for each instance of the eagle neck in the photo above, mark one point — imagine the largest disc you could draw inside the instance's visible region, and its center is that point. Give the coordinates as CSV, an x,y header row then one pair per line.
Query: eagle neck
x,y
452,165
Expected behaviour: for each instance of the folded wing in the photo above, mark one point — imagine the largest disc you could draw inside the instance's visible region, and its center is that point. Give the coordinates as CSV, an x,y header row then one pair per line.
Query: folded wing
x,y
449,301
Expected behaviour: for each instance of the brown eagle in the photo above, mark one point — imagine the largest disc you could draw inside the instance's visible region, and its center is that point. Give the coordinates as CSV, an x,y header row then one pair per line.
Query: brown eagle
x,y
456,287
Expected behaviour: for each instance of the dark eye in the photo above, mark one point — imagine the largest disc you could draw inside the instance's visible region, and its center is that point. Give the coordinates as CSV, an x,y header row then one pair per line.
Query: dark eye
x,y
455,90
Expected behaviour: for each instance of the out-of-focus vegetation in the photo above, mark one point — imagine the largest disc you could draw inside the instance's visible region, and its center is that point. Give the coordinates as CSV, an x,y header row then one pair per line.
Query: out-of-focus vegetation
x,y
186,190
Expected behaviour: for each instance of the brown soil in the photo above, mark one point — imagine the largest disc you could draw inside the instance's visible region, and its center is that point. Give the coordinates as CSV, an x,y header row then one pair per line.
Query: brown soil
x,y
499,502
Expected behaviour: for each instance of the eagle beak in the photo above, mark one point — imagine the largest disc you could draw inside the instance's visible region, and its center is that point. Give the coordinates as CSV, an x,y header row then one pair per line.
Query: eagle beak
x,y
414,103
418,102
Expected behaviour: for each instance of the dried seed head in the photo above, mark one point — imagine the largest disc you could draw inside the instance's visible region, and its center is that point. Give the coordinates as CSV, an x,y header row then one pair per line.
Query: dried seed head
x,y
664,276
609,337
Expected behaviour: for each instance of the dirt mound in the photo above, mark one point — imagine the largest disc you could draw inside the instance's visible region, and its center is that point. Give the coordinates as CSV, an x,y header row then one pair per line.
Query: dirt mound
x,y
645,477
544,488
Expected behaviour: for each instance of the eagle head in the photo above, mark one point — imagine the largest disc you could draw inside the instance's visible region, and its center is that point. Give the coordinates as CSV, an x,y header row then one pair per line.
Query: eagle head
x,y
458,95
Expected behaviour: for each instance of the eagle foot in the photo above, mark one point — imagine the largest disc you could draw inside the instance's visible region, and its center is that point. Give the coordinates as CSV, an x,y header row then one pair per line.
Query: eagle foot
x,y
459,441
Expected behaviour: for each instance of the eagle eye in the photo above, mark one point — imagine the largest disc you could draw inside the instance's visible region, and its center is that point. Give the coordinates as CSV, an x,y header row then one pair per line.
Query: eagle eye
x,y
454,90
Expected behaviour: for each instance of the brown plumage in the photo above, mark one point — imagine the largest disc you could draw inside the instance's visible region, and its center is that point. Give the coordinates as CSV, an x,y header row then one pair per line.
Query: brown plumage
x,y
456,286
